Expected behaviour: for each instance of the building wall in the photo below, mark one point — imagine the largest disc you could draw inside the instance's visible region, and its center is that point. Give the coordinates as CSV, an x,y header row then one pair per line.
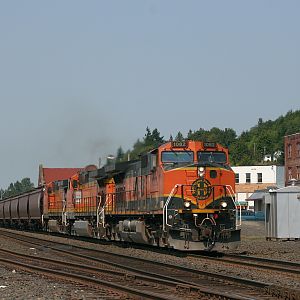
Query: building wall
x,y
271,176
292,158
280,178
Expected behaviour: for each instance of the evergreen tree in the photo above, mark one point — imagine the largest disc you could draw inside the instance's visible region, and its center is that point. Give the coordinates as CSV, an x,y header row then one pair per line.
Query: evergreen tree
x,y
17,188
247,149
151,141
190,134
148,139
157,139
120,155
27,185
179,137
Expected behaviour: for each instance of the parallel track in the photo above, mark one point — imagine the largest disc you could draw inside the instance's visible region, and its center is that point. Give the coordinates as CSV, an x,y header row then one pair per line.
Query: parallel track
x,y
119,290
159,288
255,262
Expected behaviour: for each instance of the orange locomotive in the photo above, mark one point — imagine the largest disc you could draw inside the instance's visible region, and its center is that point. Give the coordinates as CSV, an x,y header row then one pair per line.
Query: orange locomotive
x,y
180,195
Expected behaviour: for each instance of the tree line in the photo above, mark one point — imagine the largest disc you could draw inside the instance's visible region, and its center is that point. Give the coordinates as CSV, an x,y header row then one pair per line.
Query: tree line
x,y
17,188
249,148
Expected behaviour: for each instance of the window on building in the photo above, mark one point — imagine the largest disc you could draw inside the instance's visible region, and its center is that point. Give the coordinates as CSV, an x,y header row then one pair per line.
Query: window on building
x,y
237,177
248,177
290,173
298,172
259,177
298,149
289,151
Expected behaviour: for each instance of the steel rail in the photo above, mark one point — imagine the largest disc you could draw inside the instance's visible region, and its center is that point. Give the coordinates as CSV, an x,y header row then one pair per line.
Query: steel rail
x,y
263,287
263,259
179,284
171,282
86,279
251,283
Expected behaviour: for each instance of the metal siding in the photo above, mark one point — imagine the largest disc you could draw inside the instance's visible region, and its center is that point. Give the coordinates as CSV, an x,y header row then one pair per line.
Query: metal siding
x,y
1,210
7,210
274,214
34,206
23,213
294,212
282,216
14,209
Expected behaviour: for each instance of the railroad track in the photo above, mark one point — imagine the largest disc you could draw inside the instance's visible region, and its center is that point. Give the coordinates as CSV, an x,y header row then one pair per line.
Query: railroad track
x,y
184,281
254,262
117,280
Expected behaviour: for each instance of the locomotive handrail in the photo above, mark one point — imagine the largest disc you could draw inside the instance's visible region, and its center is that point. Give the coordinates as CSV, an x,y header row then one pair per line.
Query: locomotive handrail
x,y
101,212
229,187
106,203
64,213
231,193
165,208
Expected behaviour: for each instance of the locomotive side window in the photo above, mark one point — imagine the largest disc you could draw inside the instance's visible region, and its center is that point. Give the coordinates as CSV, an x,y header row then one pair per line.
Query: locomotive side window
x,y
171,159
208,156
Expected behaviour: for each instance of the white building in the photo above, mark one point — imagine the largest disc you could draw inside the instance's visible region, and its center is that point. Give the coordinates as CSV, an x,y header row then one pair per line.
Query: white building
x,y
251,178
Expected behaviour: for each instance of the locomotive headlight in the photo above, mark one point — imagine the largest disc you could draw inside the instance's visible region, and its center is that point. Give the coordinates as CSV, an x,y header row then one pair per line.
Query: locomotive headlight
x,y
201,171
187,204
224,204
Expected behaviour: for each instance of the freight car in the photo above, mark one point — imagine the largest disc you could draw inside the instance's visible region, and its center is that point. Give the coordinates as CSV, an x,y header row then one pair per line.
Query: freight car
x,y
24,211
179,195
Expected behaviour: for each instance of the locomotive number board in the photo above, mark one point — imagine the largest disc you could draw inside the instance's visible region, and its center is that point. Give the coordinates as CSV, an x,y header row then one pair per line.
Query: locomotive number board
x,y
209,145
179,144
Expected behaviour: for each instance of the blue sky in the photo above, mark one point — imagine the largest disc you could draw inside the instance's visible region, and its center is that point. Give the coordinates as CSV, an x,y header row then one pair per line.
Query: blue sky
x,y
80,78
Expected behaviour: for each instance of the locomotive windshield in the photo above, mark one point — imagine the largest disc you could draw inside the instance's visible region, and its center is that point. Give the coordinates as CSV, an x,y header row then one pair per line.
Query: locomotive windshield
x,y
212,157
171,159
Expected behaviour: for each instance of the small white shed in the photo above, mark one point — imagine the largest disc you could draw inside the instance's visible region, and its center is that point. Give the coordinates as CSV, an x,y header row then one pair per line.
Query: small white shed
x,y
283,213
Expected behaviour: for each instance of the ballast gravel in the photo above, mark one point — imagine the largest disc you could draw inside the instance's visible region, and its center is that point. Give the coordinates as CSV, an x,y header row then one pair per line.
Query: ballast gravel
x,y
16,284
23,285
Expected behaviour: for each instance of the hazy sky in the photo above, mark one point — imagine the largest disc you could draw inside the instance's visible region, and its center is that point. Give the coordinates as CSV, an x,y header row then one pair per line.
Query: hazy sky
x,y
80,78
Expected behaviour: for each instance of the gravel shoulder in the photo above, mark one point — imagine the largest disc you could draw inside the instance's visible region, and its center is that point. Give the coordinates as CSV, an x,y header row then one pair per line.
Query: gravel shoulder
x,y
254,243
17,284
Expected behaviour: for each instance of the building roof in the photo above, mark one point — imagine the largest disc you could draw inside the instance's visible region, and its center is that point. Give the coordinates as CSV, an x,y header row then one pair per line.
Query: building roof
x,y
257,195
289,189
260,194
47,175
